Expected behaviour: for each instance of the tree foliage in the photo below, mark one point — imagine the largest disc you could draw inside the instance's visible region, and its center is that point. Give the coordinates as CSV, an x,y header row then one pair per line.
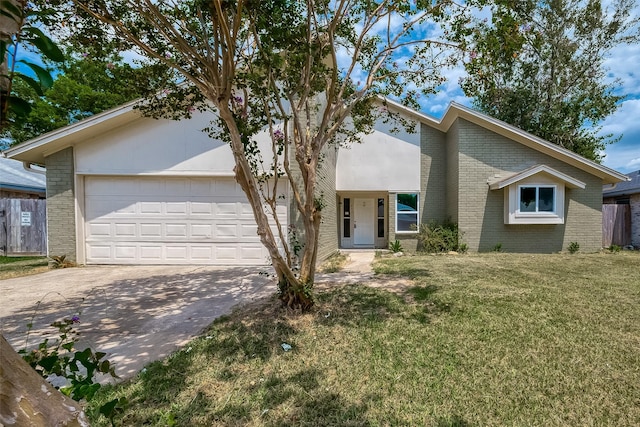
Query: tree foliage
x,y
539,65
87,83
20,30
306,73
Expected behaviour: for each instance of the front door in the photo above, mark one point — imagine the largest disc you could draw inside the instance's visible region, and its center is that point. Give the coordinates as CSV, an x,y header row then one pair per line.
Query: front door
x,y
363,222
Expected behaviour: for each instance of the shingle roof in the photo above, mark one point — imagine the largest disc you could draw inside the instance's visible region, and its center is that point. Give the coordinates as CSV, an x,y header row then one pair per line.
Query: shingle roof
x,y
624,188
14,176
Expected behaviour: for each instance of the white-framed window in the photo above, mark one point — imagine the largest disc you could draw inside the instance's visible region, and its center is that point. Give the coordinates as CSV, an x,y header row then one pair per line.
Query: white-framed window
x,y
534,203
538,200
407,212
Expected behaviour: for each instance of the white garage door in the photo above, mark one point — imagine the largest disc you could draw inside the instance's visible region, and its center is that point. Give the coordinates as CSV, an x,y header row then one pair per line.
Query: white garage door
x,y
135,220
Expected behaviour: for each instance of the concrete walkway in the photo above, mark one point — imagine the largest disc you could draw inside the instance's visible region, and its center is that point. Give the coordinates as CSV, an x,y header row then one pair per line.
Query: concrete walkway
x,y
358,268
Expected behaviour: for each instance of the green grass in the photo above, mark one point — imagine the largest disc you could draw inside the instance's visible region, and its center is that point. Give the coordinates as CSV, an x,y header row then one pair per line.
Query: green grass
x,y
477,340
21,266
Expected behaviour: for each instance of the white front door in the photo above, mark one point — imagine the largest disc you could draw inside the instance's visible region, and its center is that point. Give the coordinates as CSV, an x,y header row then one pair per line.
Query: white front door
x,y
363,222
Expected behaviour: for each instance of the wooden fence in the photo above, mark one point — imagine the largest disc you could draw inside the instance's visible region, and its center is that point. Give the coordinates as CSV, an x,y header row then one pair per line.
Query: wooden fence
x,y
23,227
616,225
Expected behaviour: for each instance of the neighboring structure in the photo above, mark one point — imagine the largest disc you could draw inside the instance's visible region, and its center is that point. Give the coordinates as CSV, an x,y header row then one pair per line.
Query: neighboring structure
x,y
127,189
17,182
627,196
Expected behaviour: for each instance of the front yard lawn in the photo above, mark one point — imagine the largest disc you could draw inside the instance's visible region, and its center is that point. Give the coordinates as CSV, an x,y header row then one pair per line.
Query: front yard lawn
x,y
474,340
21,266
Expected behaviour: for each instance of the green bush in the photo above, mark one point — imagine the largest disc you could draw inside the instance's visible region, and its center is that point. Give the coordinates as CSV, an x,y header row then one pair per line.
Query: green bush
x,y
434,237
614,249
395,246
574,247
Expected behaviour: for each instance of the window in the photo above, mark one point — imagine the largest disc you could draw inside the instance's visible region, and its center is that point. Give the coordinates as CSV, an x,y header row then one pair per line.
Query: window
x,y
406,212
346,217
536,199
380,217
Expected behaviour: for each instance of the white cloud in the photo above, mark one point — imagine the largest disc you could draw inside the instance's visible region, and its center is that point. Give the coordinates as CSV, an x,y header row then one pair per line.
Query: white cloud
x,y
625,120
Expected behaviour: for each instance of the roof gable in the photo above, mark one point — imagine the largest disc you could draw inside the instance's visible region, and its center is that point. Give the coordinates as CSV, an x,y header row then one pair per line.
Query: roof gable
x,y
456,111
538,170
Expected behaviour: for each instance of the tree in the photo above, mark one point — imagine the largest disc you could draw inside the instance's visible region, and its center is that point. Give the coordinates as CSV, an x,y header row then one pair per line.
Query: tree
x,y
306,72
539,65
87,83
20,29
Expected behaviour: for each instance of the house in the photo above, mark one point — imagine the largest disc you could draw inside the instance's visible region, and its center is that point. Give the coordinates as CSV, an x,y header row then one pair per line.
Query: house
x,y
18,182
122,188
627,194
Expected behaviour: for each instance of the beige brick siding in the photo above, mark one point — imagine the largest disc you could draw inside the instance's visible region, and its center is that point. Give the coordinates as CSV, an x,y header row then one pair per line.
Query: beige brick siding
x,y
326,187
61,224
328,240
483,155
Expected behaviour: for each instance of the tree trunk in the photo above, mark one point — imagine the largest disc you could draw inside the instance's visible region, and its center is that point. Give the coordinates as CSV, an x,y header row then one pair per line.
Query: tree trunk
x,y
27,399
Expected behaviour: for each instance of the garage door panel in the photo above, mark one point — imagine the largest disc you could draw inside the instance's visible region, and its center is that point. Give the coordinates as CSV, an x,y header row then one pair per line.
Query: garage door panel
x,y
125,230
201,230
200,208
226,209
151,253
100,252
126,252
100,229
170,221
151,230
176,230
150,208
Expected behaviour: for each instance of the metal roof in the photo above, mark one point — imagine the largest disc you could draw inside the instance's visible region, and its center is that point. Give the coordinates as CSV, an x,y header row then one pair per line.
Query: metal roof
x,y
14,176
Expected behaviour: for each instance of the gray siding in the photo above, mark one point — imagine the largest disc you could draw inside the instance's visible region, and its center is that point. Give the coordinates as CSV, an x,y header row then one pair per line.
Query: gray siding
x,y
433,170
61,218
483,155
452,175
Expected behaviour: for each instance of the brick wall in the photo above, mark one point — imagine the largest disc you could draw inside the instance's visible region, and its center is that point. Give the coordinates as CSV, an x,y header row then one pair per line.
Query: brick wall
x,y
433,172
328,240
484,154
452,174
61,224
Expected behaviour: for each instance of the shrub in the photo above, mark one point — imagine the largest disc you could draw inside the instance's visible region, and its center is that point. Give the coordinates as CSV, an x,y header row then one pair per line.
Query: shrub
x,y
497,247
573,247
395,246
59,358
614,249
434,237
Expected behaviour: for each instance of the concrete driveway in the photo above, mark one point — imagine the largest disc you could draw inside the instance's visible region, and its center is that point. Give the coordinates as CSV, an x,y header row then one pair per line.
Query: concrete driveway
x,y
135,314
